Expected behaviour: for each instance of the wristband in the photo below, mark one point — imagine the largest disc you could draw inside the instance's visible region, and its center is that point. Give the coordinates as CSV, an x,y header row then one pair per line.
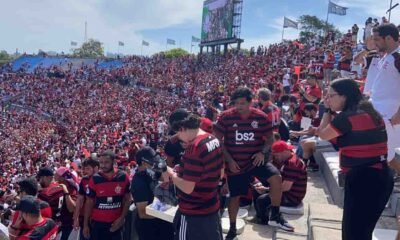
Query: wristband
x,y
328,110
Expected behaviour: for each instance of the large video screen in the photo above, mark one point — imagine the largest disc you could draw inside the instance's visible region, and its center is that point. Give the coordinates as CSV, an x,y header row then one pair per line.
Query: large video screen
x,y
217,20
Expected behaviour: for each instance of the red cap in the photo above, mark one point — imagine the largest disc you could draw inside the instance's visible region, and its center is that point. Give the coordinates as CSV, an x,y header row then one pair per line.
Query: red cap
x,y
281,146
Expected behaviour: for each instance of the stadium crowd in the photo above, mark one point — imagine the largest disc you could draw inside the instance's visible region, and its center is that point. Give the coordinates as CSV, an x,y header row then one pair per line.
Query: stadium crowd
x,y
62,124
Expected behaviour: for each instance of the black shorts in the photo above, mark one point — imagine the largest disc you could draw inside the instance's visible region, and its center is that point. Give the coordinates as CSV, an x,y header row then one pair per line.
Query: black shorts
x,y
197,227
101,231
239,184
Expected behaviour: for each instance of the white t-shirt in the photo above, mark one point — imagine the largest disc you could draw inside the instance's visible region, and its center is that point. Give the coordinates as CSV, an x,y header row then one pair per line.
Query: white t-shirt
x,y
285,80
385,91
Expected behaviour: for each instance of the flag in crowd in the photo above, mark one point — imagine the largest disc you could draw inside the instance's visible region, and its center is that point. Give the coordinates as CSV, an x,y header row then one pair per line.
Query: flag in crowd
x,y
195,39
170,41
336,9
290,23
74,43
121,44
144,43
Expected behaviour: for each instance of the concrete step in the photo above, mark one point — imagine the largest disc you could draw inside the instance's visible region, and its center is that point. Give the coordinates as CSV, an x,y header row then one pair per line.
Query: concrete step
x,y
289,236
328,161
324,222
321,233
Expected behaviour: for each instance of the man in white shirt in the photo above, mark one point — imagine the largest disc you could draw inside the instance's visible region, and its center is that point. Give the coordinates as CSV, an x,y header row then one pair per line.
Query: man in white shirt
x,y
385,91
286,81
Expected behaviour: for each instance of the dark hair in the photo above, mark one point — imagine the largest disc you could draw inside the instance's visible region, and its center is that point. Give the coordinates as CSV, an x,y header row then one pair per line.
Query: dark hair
x,y
242,92
29,186
264,94
310,107
182,118
293,99
354,99
284,98
90,162
108,153
388,29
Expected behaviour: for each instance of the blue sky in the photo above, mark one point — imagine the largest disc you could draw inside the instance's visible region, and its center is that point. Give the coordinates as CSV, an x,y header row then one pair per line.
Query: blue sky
x,y
30,25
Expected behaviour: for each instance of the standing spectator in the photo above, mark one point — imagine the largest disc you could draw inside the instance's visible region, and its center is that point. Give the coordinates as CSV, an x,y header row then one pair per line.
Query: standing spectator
x,y
108,201
197,180
142,189
90,166
362,140
273,112
27,187
52,192
354,33
368,28
286,81
247,136
344,65
386,86
67,181
329,64
38,227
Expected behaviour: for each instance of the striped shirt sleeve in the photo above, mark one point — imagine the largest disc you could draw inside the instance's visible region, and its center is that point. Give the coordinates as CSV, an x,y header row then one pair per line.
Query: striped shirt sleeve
x,y
341,123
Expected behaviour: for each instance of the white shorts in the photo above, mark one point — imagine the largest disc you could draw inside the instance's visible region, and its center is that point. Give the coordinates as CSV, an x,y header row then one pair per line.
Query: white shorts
x,y
393,133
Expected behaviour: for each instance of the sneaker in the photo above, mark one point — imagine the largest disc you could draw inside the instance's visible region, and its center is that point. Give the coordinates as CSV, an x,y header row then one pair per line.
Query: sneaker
x,y
231,234
257,220
313,168
279,221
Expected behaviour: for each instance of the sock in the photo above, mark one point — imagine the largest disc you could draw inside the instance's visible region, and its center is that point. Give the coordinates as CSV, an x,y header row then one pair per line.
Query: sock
x,y
306,161
233,225
312,160
274,210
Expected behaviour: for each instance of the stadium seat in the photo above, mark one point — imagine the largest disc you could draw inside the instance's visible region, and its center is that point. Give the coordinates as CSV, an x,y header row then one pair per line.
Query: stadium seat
x,y
240,224
299,210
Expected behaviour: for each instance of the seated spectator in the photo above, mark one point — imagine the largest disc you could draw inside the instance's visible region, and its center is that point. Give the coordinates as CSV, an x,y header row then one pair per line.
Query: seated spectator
x,y
294,182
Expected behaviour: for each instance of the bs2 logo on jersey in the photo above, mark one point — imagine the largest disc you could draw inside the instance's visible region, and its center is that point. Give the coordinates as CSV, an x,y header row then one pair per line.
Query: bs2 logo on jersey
x,y
244,137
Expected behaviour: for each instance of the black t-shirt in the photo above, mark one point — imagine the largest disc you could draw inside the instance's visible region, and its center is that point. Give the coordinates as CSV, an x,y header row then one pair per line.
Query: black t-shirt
x,y
142,187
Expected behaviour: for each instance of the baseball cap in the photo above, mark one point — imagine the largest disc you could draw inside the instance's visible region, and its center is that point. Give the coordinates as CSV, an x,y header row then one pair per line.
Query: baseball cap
x,y
281,146
62,170
147,154
45,172
29,204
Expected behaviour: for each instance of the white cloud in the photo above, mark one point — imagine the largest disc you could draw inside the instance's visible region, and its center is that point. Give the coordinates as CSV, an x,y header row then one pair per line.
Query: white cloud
x,y
275,36
51,25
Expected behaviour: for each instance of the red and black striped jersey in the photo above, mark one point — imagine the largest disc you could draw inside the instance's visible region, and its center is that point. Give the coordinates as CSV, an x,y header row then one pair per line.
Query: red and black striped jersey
x,y
83,189
345,65
108,195
330,63
317,69
202,163
274,114
243,137
54,196
361,141
45,230
294,170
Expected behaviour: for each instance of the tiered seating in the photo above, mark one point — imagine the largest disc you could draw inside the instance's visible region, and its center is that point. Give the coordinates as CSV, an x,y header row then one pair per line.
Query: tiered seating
x,y
47,62
110,64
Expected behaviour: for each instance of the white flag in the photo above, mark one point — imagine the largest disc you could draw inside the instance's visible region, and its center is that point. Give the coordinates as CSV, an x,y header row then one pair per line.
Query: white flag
x,y
290,23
